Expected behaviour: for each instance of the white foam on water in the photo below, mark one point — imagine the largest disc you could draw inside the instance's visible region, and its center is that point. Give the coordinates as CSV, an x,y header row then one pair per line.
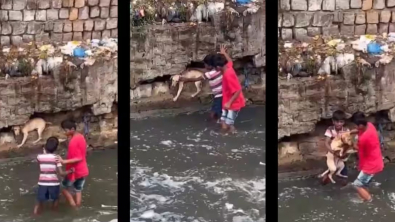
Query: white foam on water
x,y
153,192
166,142
135,137
391,197
291,192
318,216
208,147
108,206
106,212
149,214
247,149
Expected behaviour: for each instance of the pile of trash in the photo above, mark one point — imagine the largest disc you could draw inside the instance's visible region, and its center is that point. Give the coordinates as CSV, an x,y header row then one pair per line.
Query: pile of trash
x,y
323,57
38,60
177,11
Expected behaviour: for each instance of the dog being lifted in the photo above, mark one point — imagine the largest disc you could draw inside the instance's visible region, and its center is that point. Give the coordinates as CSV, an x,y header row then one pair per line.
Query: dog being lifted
x,y
343,144
188,74
33,124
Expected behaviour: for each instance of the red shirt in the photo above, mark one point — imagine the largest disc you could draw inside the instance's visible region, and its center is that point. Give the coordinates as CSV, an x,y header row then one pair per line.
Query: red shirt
x,y
77,149
230,85
369,152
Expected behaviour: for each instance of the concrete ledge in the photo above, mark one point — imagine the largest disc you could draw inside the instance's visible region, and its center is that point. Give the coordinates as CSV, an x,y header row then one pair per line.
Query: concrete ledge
x,y
95,85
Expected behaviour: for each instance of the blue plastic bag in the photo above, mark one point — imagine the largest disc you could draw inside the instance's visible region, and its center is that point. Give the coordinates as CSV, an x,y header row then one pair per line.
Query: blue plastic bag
x,y
243,2
79,52
374,48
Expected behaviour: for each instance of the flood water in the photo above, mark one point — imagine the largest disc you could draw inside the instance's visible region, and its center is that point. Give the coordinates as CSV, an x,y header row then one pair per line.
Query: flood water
x,y
17,192
182,169
307,200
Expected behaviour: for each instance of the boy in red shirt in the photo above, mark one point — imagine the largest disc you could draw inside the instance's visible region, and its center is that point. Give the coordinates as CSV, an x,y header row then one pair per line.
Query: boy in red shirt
x,y
232,95
370,157
76,158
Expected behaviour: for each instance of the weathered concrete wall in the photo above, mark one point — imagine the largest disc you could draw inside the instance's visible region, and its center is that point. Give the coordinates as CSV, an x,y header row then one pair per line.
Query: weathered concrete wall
x,y
300,19
303,102
95,85
57,20
166,50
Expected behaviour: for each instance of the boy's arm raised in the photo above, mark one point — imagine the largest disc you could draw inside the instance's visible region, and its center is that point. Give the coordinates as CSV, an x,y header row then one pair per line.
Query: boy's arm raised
x,y
222,50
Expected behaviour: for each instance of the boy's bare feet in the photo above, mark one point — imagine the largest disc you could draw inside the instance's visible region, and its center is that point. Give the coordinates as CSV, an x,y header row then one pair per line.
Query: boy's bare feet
x,y
224,131
37,209
232,130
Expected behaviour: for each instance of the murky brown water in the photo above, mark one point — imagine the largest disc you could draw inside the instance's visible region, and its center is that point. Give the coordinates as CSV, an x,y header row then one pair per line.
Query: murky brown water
x,y
307,200
183,170
17,192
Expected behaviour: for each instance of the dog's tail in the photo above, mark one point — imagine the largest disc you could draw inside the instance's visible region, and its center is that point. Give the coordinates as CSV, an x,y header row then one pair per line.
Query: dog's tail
x,y
48,123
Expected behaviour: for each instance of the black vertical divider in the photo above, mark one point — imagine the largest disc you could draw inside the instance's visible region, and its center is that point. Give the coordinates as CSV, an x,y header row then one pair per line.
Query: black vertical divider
x,y
271,110
123,110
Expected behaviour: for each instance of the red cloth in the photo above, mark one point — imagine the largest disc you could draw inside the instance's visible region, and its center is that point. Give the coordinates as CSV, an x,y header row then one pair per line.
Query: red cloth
x,y
230,85
369,151
77,149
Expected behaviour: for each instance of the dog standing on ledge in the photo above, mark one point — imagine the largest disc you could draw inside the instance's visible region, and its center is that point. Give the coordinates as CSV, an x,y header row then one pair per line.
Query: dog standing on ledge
x,y
33,124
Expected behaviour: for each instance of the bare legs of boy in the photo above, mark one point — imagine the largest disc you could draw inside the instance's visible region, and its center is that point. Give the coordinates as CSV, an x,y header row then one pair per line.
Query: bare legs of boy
x,y
227,121
216,109
360,185
38,207
78,186
45,193
69,197
213,116
364,194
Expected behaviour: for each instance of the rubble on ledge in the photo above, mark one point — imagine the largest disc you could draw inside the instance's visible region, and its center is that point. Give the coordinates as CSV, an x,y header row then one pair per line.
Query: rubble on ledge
x,y
324,56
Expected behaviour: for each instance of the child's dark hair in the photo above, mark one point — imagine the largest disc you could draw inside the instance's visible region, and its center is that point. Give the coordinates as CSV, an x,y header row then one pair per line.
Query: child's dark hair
x,y
52,144
68,124
360,121
358,115
220,60
338,115
208,60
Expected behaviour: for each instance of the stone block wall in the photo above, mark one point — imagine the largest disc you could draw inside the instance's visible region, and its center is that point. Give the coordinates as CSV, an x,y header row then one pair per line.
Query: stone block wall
x,y
301,19
57,20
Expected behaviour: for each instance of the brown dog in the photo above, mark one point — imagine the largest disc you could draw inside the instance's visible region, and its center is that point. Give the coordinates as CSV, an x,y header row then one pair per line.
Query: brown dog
x,y
190,74
343,144
33,124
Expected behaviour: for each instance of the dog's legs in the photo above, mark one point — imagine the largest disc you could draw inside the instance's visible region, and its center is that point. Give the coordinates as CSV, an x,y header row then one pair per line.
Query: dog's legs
x,y
39,132
330,176
23,140
180,86
340,166
323,174
332,168
198,85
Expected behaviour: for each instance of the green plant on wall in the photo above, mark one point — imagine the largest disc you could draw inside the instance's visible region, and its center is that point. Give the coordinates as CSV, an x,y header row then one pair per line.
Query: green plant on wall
x,y
24,66
150,10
